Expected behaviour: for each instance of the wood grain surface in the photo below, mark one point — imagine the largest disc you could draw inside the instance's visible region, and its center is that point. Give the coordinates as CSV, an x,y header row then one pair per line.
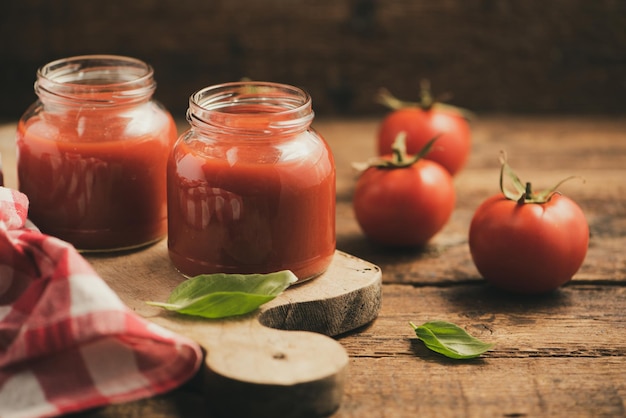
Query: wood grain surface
x,y
559,355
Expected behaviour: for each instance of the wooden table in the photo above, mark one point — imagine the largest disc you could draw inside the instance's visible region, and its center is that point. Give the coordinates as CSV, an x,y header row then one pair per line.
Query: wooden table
x,y
558,355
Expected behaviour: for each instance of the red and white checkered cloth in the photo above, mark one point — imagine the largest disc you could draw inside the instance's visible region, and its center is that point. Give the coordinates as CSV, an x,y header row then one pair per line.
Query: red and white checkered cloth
x,y
67,342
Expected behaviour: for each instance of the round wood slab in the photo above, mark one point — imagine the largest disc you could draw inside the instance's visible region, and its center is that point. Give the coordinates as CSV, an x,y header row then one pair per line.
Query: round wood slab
x,y
276,361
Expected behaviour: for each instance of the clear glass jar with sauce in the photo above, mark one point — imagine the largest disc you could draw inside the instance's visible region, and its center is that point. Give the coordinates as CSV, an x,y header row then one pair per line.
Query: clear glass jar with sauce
x,y
92,153
251,186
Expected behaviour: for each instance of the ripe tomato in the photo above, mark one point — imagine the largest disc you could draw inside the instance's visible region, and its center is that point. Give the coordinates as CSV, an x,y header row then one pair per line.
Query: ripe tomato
x,y
423,121
403,204
528,247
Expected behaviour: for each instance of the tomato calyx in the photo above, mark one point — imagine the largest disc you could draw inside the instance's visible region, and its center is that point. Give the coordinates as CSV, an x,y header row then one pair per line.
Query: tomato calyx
x,y
399,156
523,193
427,101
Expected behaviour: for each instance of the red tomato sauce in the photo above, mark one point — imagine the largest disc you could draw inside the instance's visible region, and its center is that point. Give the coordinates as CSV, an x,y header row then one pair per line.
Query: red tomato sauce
x,y
99,184
248,216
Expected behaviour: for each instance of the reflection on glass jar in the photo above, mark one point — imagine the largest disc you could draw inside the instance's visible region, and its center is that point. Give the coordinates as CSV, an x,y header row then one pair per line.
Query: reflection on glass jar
x,y
251,186
92,153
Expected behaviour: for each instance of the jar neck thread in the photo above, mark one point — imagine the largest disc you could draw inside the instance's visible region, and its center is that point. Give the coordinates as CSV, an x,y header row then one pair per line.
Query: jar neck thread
x,y
259,109
96,80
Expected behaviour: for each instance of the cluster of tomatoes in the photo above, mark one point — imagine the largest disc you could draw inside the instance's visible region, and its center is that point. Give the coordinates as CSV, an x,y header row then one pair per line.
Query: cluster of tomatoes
x,y
519,240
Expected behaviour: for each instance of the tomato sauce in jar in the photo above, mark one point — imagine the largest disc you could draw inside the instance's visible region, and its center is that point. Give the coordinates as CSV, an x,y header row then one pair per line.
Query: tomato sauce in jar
x,y
251,187
92,153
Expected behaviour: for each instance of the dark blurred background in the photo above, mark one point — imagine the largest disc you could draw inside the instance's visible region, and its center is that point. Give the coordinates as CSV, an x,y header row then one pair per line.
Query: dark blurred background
x,y
501,56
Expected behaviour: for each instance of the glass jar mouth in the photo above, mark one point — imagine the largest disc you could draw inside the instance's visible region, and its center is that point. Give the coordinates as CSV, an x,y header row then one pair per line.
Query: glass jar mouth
x,y
97,79
251,108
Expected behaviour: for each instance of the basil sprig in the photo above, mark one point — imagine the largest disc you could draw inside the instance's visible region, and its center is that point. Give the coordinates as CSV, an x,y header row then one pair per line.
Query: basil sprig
x,y
223,295
450,340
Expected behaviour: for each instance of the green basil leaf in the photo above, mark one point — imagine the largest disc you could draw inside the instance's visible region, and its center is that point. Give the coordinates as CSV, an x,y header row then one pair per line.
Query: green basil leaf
x,y
450,340
223,295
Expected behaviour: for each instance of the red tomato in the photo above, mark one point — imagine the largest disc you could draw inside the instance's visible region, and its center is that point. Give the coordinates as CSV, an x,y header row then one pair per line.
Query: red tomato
x,y
421,125
404,206
528,247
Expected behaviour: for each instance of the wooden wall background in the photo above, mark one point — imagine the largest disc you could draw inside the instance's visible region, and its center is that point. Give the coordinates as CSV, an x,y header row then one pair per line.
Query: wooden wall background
x,y
523,56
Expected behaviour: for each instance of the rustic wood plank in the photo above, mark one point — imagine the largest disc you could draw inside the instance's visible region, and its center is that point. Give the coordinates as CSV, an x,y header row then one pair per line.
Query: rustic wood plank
x,y
7,153
560,355
585,321
534,387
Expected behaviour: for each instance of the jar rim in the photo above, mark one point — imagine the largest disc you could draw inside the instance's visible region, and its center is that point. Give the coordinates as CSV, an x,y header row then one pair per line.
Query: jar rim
x,y
272,106
103,79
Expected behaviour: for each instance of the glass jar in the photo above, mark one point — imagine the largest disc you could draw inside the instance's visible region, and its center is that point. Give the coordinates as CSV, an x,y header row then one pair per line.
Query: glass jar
x,y
92,153
251,186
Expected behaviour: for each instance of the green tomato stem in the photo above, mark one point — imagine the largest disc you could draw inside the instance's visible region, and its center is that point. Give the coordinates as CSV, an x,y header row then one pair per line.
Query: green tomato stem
x,y
527,196
523,193
427,101
398,150
399,157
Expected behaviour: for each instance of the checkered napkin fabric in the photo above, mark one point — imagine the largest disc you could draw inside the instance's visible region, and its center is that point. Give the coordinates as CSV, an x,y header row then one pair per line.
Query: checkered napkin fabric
x,y
67,342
